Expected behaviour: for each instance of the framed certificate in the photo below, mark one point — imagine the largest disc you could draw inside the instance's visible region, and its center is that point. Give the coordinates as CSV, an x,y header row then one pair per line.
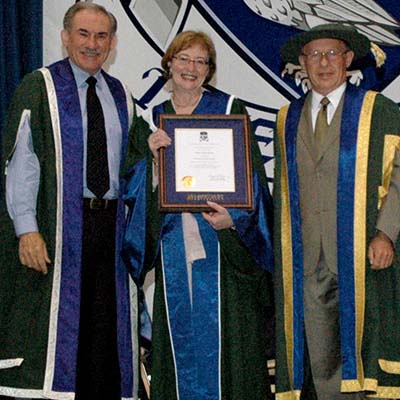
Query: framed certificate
x,y
209,159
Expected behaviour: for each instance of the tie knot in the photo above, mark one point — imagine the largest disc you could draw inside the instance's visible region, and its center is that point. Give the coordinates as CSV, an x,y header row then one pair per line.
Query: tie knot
x,y
324,102
91,81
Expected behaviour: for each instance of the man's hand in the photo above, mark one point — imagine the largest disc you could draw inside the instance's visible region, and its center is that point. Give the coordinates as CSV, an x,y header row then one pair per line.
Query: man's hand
x,y
219,218
380,251
33,252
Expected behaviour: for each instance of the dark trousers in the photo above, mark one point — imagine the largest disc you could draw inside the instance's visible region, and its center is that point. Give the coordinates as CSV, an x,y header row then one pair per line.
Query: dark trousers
x,y
98,374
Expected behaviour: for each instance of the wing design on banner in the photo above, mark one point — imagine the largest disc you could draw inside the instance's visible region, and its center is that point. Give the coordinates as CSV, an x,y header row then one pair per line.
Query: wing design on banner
x,y
251,33
248,35
366,15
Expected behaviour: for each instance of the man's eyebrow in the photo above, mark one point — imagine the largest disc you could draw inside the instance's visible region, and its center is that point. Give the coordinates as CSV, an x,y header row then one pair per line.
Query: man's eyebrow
x,y
83,30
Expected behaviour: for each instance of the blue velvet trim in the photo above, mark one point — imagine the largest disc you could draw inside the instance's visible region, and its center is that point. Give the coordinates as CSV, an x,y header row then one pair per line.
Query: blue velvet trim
x,y
124,327
254,228
206,314
194,328
210,103
68,314
122,276
72,153
345,239
133,247
345,228
292,122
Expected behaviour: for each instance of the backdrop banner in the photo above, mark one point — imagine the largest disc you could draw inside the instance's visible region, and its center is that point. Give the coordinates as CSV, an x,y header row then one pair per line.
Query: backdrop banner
x,y
248,35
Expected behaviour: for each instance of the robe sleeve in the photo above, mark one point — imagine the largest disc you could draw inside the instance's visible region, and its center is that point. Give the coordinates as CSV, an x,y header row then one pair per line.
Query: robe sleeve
x,y
141,245
254,228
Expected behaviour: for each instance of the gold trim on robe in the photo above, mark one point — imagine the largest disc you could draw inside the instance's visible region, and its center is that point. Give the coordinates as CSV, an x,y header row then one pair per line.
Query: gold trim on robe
x,y
360,223
392,142
286,243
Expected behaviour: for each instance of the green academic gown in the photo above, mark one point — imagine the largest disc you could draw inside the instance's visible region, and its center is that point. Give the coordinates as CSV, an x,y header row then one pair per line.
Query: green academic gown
x,y
39,314
244,294
369,300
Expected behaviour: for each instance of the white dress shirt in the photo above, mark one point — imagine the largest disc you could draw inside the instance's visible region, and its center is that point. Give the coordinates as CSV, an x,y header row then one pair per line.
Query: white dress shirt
x,y
334,100
23,170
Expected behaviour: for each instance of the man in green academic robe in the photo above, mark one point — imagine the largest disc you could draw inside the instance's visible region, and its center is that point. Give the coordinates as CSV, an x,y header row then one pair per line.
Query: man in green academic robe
x,y
67,304
337,219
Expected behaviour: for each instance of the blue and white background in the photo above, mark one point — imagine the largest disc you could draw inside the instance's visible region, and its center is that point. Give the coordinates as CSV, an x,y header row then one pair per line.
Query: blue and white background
x,y
247,35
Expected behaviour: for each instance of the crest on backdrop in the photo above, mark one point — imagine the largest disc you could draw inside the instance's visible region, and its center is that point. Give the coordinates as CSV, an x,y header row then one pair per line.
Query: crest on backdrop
x,y
248,35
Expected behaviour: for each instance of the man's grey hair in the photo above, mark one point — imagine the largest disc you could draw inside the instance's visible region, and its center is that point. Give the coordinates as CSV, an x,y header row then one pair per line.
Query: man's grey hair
x,y
84,5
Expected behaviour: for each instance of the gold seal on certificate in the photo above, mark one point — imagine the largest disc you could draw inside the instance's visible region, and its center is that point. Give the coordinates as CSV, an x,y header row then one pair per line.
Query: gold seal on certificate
x,y
188,181
208,160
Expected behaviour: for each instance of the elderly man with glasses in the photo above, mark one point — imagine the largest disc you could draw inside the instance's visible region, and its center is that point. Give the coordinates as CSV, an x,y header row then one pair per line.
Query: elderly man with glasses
x,y
337,221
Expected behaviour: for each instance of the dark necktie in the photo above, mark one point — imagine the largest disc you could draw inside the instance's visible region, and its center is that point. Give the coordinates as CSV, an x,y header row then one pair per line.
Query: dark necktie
x,y
97,174
321,125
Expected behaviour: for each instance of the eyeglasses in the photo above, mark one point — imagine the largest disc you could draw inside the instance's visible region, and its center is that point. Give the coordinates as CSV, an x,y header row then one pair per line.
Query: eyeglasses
x,y
185,60
331,55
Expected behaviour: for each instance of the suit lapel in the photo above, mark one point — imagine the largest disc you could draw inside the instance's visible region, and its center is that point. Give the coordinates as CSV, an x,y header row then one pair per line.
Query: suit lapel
x,y
334,130
306,133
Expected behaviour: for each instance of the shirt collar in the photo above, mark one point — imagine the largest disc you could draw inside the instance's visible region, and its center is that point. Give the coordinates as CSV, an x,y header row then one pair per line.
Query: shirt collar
x,y
334,97
80,76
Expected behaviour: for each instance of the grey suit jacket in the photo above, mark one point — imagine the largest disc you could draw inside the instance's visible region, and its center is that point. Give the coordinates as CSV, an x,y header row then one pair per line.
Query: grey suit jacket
x,y
318,189
318,192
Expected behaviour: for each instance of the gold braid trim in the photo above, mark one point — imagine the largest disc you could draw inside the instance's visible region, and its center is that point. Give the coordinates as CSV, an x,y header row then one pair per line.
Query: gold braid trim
x,y
391,367
360,201
371,385
379,54
349,386
386,392
392,142
286,243
292,395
